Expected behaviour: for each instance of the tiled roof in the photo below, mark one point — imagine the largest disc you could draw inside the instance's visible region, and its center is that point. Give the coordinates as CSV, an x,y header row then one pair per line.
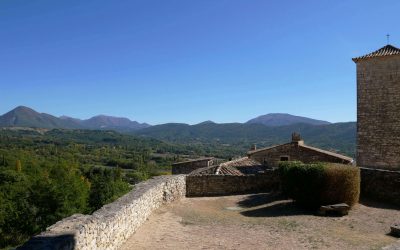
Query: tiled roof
x,y
194,160
225,170
388,50
241,166
216,170
339,156
241,162
211,170
251,152
245,166
342,157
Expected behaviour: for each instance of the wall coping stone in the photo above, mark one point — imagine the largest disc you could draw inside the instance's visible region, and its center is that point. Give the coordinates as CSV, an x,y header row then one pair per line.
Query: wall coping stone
x,y
381,170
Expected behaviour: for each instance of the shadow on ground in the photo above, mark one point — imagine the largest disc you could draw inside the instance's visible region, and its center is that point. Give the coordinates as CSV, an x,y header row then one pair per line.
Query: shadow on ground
x,y
270,205
378,204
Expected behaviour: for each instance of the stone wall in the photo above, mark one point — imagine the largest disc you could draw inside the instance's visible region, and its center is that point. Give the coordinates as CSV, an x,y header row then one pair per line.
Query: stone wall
x,y
214,185
381,185
378,116
189,166
110,226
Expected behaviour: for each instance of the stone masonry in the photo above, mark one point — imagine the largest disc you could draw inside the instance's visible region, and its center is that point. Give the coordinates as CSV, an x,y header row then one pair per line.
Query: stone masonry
x,y
295,151
381,185
186,167
215,185
110,226
378,109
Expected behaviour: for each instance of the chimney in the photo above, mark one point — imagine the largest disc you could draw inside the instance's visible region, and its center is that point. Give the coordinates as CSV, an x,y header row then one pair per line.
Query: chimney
x,y
296,139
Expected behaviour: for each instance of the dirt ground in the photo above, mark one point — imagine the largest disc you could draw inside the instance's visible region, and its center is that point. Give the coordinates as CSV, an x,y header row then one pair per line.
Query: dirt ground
x,y
261,221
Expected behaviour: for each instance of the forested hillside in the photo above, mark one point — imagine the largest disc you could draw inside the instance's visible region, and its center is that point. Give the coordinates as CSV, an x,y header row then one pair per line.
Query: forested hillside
x,y
48,175
339,137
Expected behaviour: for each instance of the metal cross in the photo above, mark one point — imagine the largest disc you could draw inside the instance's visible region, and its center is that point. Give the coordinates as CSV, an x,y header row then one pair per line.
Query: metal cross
x,y
388,38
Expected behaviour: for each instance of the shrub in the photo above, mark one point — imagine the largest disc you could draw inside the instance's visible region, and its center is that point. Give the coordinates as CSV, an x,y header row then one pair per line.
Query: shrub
x,y
316,184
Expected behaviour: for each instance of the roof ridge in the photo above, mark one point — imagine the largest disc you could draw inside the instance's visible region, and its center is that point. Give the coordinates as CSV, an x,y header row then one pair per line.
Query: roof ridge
x,y
327,152
232,161
387,50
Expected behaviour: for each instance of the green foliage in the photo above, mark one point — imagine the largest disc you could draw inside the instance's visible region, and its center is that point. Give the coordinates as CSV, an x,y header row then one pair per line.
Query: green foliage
x,y
32,200
230,138
106,186
46,176
316,184
18,219
18,166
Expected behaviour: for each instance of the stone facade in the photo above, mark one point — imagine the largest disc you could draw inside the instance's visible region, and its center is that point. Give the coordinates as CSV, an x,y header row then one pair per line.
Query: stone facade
x,y
381,185
186,167
295,151
110,226
378,109
214,185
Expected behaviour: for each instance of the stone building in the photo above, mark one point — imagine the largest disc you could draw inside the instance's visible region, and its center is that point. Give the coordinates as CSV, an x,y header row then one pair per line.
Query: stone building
x,y
185,167
378,109
295,150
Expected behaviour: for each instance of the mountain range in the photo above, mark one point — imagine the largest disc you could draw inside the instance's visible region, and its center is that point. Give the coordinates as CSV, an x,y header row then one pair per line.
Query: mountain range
x,y
264,130
27,117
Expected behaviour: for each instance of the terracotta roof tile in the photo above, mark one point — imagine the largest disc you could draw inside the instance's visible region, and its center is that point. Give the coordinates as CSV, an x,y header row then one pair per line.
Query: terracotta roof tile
x,y
225,170
388,50
241,166
194,160
211,170
241,162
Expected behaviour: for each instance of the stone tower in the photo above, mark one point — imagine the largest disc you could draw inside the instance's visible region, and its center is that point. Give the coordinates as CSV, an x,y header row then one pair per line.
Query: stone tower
x,y
378,109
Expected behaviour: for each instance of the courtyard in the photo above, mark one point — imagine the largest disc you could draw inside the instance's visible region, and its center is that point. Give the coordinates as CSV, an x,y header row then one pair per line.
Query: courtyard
x,y
261,221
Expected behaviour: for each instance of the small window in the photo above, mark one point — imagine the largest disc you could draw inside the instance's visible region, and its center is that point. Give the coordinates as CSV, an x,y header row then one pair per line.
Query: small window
x,y
284,158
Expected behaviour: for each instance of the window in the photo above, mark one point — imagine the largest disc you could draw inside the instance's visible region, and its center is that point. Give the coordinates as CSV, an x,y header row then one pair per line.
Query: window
x,y
284,158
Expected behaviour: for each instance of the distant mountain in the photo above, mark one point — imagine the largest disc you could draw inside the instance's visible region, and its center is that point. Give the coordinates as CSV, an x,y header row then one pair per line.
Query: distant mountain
x,y
27,117
206,122
264,131
110,122
67,118
280,119
340,137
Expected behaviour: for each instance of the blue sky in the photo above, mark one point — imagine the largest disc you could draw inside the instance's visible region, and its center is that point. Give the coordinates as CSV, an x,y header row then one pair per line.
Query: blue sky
x,y
189,61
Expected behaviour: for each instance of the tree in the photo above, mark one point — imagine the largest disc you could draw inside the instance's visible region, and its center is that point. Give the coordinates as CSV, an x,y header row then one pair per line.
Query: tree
x,y
18,166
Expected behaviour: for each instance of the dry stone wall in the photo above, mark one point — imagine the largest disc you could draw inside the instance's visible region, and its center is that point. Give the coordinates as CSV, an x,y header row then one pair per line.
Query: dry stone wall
x,y
214,185
381,185
110,226
189,166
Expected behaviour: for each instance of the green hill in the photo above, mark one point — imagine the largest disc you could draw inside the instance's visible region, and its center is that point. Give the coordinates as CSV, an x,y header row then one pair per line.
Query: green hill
x,y
339,137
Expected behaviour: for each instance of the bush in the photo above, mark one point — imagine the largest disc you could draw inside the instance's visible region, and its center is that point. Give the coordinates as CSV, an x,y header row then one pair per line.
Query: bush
x,y
316,184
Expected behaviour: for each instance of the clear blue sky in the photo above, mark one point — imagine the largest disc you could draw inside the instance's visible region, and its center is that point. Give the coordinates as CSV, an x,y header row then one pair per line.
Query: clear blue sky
x,y
189,61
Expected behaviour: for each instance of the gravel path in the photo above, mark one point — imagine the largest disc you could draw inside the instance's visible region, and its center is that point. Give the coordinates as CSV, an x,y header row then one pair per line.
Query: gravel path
x,y
261,221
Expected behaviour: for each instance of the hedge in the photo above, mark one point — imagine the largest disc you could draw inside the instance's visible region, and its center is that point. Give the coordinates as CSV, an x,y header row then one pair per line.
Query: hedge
x,y
316,184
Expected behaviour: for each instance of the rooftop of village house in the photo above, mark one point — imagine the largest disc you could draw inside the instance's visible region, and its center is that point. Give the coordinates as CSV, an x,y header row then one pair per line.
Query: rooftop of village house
x,y
388,50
